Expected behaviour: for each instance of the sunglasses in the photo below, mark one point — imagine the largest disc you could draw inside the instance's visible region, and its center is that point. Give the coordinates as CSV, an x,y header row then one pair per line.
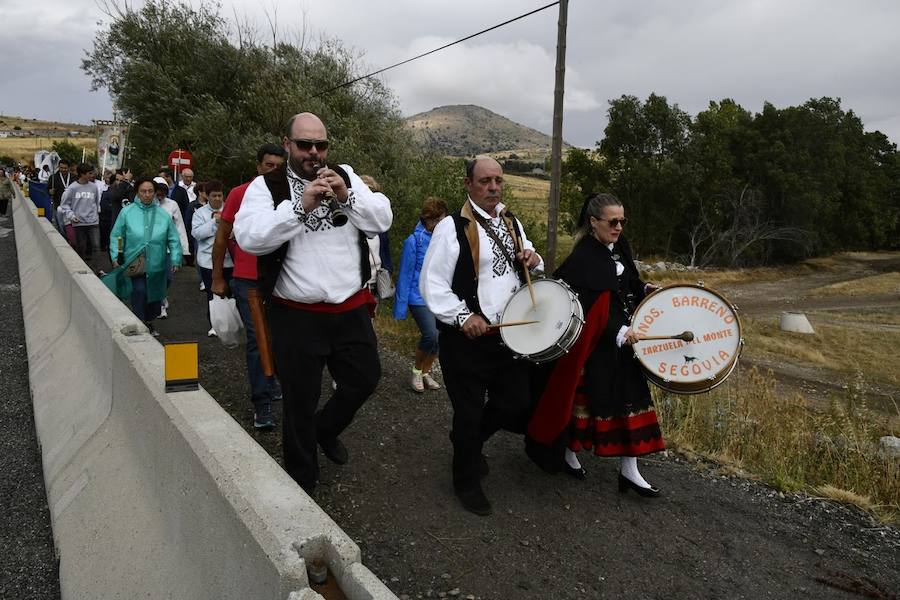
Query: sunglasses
x,y
613,222
307,145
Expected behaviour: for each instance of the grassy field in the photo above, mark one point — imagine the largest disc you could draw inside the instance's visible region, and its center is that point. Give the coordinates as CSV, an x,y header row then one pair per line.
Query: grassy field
x,y
23,149
528,199
885,283
839,348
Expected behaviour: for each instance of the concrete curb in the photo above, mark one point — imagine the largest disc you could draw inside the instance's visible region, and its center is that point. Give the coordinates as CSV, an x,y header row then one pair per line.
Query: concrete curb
x,y
154,494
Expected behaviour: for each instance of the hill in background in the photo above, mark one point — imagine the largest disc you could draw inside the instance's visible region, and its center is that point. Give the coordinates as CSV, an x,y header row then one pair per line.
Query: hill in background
x,y
467,130
41,127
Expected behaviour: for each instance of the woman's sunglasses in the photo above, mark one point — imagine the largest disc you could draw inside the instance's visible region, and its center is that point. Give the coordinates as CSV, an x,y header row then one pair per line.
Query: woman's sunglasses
x,y
307,145
614,222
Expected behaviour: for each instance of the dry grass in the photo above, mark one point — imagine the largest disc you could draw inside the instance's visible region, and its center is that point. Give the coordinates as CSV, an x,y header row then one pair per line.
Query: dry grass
x,y
527,198
748,424
718,277
885,283
400,336
872,315
834,347
845,496
23,149
529,195
9,122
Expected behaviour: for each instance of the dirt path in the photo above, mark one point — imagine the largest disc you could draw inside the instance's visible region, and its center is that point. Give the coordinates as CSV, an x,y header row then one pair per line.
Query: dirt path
x,y
708,536
770,299
793,293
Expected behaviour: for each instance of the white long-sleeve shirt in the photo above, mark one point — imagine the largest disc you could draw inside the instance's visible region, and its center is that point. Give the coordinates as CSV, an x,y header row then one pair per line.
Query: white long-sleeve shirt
x,y
171,207
204,228
497,280
322,262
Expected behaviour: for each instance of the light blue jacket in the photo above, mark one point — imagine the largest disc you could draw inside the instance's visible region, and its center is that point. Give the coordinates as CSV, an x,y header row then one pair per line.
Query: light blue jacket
x,y
411,259
204,228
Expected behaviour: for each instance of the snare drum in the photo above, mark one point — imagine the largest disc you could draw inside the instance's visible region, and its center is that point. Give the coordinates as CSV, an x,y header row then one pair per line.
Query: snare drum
x,y
688,367
560,317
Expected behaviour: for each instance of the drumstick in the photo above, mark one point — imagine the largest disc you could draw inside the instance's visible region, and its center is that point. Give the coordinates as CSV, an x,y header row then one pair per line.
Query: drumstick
x,y
687,336
512,324
527,274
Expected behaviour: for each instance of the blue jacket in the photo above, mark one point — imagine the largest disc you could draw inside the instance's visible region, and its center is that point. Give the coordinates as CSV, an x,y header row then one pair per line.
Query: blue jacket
x,y
411,259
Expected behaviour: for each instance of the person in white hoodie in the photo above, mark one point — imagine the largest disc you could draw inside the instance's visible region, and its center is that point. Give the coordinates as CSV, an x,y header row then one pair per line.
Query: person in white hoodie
x,y
204,226
171,207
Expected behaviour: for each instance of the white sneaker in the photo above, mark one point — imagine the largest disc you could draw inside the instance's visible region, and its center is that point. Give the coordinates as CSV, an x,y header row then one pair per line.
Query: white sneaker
x,y
211,333
430,382
163,313
202,287
416,382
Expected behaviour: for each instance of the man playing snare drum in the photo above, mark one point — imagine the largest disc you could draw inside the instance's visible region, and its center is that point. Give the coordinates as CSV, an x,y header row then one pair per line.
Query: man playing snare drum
x,y
471,270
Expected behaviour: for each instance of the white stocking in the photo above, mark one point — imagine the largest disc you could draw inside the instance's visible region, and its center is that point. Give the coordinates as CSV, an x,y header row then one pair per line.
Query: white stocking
x,y
628,468
572,459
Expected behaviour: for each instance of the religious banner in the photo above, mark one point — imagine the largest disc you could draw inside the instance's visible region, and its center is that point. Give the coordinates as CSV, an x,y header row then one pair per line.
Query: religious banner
x,y
110,145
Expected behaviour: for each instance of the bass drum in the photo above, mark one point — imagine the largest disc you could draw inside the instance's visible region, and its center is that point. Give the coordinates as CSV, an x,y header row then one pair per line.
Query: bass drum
x,y
688,367
559,315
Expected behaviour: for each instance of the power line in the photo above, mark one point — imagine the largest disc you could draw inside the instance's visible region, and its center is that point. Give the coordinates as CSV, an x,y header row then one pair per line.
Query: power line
x,y
468,37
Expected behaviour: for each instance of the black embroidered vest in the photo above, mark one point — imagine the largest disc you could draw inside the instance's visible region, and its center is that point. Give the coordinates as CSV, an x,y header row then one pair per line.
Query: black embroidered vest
x,y
464,283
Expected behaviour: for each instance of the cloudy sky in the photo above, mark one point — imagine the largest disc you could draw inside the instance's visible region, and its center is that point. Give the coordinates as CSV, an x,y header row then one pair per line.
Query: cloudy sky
x,y
692,51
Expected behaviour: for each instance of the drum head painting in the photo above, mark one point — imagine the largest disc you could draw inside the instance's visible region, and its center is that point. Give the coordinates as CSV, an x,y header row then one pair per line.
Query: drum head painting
x,y
687,367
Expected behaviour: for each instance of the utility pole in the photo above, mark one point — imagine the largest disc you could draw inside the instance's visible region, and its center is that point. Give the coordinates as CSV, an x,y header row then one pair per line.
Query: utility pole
x,y
556,144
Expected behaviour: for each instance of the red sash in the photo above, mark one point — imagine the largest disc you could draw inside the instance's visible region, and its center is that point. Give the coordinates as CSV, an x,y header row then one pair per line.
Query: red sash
x,y
554,409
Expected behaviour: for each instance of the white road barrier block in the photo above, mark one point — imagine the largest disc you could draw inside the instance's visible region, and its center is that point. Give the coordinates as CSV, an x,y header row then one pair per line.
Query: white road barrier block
x,y
795,322
153,494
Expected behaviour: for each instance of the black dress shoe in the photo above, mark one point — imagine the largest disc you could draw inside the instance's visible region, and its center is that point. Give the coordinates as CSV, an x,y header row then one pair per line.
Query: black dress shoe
x,y
335,450
625,484
483,468
578,473
474,501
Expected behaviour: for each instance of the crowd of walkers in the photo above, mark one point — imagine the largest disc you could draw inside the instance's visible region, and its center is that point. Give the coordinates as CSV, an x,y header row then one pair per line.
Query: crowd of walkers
x,y
303,250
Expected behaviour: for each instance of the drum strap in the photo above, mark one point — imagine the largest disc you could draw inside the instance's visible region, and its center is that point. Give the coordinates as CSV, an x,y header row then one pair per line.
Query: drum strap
x,y
506,218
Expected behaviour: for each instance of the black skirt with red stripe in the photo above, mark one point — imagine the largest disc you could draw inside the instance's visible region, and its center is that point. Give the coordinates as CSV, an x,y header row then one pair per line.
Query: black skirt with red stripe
x,y
612,412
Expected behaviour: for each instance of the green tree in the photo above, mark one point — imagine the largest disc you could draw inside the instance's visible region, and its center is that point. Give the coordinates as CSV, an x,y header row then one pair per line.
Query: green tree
x,y
188,78
642,151
67,150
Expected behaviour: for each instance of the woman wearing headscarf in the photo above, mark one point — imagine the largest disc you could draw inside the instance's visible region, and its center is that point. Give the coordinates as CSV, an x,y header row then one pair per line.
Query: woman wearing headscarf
x,y
143,233
597,397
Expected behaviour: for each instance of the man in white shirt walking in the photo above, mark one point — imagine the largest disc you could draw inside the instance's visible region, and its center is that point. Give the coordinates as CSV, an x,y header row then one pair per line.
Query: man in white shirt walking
x,y
471,270
315,269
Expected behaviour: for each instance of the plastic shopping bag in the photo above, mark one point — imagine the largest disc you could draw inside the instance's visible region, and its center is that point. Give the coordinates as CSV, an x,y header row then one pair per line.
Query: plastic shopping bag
x,y
226,320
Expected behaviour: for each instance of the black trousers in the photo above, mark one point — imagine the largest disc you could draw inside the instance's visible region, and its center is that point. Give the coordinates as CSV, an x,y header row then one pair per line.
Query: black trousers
x,y
472,370
303,343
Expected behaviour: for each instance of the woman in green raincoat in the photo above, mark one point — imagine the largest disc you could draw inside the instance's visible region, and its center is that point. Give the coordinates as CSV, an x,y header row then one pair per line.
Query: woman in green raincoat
x,y
143,229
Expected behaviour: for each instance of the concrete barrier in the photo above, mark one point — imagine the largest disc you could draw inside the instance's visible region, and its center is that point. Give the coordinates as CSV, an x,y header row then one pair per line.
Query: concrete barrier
x,y
795,322
154,495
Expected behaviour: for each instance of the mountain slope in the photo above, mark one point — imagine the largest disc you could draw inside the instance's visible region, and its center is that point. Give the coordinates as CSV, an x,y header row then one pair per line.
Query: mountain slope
x,y
466,130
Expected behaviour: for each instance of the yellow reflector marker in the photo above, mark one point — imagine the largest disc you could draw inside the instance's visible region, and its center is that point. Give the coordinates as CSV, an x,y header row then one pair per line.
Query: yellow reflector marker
x,y
40,211
182,366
